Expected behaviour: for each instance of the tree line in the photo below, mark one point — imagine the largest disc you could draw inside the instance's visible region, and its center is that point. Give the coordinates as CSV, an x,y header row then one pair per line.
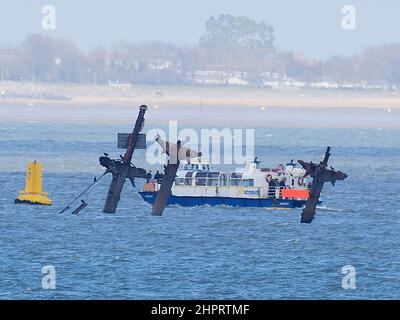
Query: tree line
x,y
229,44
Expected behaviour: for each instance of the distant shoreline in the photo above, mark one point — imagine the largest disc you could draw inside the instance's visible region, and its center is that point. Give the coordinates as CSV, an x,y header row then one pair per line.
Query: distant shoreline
x,y
24,93
249,106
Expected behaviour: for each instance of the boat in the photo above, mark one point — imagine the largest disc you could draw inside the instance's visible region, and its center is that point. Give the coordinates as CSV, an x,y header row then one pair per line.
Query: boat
x,y
197,184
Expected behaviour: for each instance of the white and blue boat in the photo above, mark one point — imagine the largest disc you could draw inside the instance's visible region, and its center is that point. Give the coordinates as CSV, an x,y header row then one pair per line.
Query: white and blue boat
x,y
253,186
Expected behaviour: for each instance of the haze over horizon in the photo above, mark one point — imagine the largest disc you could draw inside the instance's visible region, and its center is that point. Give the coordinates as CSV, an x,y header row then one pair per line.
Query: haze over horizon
x,y
310,27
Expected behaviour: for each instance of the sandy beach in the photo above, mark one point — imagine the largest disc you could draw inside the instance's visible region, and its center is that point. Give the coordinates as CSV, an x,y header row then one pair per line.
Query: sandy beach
x,y
217,106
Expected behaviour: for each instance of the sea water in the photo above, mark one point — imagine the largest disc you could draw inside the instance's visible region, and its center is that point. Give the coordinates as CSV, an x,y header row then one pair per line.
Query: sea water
x,y
203,252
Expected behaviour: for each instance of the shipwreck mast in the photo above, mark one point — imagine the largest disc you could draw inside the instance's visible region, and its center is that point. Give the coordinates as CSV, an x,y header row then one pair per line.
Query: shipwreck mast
x,y
122,169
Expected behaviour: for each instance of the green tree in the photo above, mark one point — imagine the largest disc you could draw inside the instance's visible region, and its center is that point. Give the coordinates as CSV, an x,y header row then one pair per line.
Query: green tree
x,y
49,59
227,30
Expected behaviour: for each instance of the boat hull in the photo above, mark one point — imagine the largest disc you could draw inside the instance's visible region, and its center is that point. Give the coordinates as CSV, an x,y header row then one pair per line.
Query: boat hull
x,y
191,201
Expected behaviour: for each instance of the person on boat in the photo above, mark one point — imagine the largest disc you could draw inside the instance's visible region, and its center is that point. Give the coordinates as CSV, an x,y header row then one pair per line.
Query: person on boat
x,y
158,176
301,182
274,185
149,176
257,162
282,185
271,185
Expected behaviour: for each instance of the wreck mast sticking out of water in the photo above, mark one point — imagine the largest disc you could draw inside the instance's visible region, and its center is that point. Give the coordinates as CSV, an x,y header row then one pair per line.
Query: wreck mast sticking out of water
x,y
176,153
320,174
121,169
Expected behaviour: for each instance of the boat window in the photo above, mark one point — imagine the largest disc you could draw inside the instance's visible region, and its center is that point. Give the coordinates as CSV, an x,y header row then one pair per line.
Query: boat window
x,y
248,182
188,178
236,179
213,178
201,178
223,179
179,181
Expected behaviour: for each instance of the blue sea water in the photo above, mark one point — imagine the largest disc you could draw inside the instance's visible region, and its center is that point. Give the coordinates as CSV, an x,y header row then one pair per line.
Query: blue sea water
x,y
206,252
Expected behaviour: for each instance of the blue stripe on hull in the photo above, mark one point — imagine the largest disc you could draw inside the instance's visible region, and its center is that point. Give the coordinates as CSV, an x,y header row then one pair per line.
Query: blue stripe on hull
x,y
187,201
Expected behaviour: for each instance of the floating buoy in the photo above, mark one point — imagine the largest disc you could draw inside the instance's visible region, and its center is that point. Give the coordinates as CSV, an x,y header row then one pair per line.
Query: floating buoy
x,y
33,193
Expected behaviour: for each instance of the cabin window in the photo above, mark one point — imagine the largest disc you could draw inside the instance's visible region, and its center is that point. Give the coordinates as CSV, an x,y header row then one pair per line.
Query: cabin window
x,y
179,181
236,179
201,181
212,181
188,179
213,178
223,179
201,178
247,182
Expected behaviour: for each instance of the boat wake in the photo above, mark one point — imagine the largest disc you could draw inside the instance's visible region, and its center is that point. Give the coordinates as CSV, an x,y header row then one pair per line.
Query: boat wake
x,y
325,208
328,209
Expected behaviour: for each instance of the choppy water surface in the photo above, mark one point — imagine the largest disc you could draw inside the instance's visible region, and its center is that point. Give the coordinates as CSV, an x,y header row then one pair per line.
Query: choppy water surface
x,y
207,252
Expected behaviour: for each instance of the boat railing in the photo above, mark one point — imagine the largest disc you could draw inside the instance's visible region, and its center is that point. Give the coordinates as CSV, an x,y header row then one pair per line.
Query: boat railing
x,y
269,191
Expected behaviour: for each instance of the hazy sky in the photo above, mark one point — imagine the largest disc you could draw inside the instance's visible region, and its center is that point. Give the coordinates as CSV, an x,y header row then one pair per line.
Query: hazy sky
x,y
312,27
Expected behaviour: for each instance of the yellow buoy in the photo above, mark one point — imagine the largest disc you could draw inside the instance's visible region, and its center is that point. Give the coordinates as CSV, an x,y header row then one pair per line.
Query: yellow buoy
x,y
33,193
